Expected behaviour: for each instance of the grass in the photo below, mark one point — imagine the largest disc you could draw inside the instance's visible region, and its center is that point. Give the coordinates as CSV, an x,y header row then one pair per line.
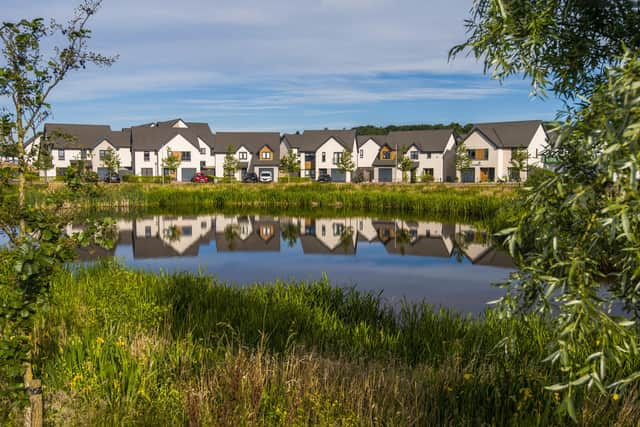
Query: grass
x,y
124,347
454,200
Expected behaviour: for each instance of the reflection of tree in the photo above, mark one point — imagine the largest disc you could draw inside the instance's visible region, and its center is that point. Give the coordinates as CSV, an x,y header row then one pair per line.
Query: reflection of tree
x,y
231,233
403,238
346,239
290,233
460,245
173,233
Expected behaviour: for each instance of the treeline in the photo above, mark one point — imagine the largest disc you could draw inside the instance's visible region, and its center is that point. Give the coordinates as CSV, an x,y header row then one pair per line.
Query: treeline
x,y
376,130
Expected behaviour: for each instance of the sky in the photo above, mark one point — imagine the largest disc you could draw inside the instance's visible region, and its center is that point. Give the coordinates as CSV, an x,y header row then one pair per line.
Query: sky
x,y
281,65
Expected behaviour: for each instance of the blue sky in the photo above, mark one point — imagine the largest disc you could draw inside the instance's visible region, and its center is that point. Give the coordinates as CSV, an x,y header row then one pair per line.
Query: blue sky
x,y
281,65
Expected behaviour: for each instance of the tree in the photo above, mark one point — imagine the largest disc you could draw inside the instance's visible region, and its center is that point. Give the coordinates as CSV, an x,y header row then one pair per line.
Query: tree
x,y
519,157
111,161
35,57
42,159
290,163
405,164
345,162
231,164
578,227
171,163
463,161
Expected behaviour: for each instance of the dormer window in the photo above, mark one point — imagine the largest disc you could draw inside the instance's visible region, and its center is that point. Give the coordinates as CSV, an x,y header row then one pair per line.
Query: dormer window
x,y
386,155
266,155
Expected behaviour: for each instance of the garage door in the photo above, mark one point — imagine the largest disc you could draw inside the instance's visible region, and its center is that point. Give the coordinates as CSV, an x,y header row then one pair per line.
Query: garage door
x,y
102,173
468,175
385,174
187,173
266,170
338,176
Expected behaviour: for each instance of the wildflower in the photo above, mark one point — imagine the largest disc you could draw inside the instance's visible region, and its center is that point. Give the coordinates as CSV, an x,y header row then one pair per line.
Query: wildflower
x,y
99,341
556,396
121,342
467,376
526,393
615,396
448,389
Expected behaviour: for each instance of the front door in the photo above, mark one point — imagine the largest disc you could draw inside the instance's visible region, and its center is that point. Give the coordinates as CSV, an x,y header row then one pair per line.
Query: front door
x,y
487,174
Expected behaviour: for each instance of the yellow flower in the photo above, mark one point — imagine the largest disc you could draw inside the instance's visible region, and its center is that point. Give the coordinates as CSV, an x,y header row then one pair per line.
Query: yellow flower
x,y
99,341
121,342
556,396
526,393
615,396
468,376
448,389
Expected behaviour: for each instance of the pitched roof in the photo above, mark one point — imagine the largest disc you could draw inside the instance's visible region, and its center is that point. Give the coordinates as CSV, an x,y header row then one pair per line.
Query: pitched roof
x,y
153,136
311,245
432,140
508,134
252,141
423,246
378,139
311,140
71,136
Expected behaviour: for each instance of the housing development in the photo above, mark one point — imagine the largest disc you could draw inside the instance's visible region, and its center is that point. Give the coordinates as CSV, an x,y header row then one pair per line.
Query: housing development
x,y
399,156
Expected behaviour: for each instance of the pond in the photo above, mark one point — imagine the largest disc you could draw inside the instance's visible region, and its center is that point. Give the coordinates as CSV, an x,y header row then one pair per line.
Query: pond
x,y
450,265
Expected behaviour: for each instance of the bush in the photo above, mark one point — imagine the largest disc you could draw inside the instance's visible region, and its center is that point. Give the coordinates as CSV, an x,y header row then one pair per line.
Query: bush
x,y
426,178
145,179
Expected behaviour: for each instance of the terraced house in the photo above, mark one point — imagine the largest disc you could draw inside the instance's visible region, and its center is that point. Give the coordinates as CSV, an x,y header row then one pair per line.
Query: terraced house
x,y
491,146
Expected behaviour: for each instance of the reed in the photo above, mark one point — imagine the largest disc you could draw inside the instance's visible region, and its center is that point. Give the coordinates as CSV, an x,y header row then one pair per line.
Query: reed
x,y
123,347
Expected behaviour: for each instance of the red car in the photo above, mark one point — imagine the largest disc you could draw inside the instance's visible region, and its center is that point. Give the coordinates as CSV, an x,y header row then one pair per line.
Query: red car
x,y
200,177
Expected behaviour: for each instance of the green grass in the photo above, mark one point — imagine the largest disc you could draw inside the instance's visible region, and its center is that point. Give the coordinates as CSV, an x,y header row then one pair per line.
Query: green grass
x,y
461,201
123,347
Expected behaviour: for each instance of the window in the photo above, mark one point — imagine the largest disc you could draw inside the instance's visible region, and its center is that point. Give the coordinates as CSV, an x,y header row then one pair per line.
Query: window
x,y
83,154
185,156
102,154
324,156
147,231
386,155
146,171
242,155
428,171
362,153
428,155
203,151
203,225
414,155
212,153
324,231
337,157
266,155
514,174
147,156
60,153
202,165
478,154
187,231
338,229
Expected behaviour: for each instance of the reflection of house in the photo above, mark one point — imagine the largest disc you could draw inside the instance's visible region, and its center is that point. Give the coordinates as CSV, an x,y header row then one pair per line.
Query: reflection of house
x,y
249,235
479,251
160,237
366,231
94,252
330,236
416,238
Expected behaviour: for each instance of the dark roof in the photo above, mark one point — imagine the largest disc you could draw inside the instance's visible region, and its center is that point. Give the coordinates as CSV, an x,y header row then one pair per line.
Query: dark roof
x,y
71,136
254,142
152,136
378,139
508,134
384,162
495,258
422,246
253,243
311,140
432,140
294,140
312,245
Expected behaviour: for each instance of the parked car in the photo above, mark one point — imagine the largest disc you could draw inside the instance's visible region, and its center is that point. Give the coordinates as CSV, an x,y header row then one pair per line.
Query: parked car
x,y
250,177
266,176
200,177
324,178
112,178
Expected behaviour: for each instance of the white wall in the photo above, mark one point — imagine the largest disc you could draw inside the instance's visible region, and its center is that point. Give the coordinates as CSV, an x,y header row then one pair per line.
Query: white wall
x,y
329,147
370,150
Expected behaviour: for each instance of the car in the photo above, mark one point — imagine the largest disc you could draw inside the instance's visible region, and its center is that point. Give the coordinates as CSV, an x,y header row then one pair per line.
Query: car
x,y
266,176
200,177
250,177
112,178
324,178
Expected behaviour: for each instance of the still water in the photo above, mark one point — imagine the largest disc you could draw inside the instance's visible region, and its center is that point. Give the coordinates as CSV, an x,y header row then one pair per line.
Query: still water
x,y
451,265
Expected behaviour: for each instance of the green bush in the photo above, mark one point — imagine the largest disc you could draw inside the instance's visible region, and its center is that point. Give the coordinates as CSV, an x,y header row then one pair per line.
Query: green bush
x,y
145,179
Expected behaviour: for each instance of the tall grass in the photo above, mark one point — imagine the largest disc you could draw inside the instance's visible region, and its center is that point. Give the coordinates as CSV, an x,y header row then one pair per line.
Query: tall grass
x,y
469,201
123,347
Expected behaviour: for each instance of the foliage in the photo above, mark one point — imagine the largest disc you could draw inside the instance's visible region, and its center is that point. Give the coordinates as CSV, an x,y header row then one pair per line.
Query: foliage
x,y
563,45
184,349
42,160
111,161
375,130
171,163
290,163
346,163
518,162
463,161
143,179
404,164
231,164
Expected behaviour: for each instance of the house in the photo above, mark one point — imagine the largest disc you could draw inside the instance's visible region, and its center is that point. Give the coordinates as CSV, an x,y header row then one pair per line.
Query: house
x,y
70,144
191,143
430,153
490,147
320,152
247,234
257,152
368,148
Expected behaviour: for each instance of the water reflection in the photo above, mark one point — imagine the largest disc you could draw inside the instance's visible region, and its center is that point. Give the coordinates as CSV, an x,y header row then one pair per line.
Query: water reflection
x,y
449,264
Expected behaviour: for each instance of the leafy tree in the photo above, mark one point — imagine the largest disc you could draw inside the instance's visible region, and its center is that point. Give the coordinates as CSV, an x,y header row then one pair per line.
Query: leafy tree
x,y
34,58
345,163
231,164
290,163
171,163
579,227
290,233
42,159
519,157
463,161
405,164
111,161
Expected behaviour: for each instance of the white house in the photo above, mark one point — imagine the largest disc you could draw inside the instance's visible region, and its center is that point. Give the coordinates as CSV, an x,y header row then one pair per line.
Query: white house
x,y
368,148
257,152
490,147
